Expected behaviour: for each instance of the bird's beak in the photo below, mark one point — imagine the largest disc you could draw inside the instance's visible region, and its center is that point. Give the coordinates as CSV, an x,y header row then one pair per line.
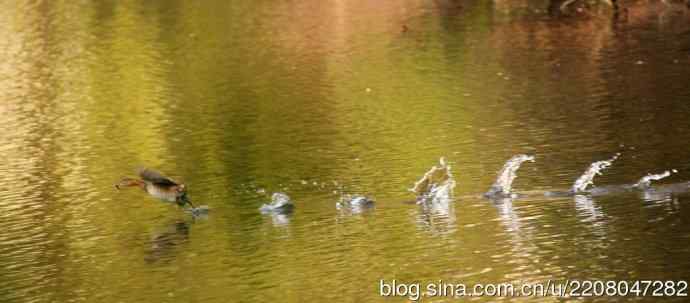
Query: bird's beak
x,y
186,200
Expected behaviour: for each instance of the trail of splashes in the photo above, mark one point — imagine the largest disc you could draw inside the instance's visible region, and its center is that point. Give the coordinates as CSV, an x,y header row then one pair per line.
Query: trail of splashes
x,y
587,178
436,185
503,184
646,181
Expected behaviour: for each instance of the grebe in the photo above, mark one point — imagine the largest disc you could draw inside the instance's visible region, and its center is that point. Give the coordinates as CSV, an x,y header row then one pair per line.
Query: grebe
x,y
159,186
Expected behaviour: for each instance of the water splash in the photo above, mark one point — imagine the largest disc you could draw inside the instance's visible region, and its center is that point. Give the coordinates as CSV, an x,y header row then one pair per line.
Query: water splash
x,y
199,212
354,203
594,169
436,185
502,186
646,181
280,203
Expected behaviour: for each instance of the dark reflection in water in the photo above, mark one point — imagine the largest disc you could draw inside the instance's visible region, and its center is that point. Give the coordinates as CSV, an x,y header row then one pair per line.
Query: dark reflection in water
x,y
165,243
253,97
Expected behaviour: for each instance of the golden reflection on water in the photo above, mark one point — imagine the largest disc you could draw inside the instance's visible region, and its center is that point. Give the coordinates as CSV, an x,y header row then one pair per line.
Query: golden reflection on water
x,y
240,100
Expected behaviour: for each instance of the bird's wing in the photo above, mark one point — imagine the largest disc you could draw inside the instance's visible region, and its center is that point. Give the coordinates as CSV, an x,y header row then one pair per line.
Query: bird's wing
x,y
155,177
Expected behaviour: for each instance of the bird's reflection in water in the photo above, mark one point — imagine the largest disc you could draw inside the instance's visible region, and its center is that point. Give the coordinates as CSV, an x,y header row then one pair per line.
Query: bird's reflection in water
x,y
165,243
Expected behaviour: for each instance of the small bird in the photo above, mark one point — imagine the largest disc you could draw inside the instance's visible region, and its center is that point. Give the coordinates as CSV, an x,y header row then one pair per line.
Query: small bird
x,y
158,186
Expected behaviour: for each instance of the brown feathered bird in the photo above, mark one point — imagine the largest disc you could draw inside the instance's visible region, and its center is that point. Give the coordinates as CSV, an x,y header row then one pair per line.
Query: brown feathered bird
x,y
158,186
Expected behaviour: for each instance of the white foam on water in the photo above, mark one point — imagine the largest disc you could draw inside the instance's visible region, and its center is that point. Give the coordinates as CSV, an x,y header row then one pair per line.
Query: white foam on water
x,y
279,201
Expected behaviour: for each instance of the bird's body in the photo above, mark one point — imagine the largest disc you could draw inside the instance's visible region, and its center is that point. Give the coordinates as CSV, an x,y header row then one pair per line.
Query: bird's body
x,y
167,194
158,186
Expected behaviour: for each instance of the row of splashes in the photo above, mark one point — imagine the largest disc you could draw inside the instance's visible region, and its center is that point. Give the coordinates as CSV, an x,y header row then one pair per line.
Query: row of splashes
x,y
437,184
282,204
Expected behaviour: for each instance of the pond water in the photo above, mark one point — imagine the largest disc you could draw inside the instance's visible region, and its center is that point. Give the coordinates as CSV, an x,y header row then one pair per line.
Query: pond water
x,y
316,99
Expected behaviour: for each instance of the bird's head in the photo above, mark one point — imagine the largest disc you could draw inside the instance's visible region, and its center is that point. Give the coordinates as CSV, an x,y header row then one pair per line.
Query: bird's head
x,y
181,190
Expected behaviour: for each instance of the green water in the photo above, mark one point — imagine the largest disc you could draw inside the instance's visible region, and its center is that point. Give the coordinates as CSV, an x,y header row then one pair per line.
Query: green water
x,y
240,99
